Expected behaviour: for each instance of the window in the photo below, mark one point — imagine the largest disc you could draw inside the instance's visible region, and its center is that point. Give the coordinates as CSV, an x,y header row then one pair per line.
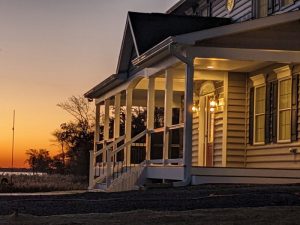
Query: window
x,y
284,110
273,107
262,8
259,115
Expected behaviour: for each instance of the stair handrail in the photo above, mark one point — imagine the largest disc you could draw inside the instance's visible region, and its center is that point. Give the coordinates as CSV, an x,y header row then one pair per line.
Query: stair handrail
x,y
135,138
116,150
116,141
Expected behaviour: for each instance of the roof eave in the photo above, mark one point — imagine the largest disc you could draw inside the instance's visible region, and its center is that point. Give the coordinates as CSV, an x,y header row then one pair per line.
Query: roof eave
x,y
193,37
109,83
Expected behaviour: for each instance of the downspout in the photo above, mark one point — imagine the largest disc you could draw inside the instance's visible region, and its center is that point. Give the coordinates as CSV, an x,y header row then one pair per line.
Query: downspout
x,y
188,98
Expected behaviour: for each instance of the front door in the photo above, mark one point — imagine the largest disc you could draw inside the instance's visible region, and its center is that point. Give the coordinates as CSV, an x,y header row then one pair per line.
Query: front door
x,y
206,130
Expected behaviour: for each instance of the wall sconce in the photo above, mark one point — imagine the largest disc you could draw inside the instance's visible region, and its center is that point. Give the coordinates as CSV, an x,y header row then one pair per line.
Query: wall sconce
x,y
213,104
196,107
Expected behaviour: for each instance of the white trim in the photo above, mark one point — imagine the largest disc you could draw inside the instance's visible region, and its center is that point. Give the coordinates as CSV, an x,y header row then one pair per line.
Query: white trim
x,y
258,79
225,123
286,109
254,119
283,72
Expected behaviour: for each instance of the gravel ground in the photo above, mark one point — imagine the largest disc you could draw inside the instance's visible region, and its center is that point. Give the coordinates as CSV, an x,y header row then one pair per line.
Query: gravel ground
x,y
169,199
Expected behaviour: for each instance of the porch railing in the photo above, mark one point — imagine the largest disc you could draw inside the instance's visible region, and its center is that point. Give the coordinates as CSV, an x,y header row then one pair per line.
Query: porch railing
x,y
111,168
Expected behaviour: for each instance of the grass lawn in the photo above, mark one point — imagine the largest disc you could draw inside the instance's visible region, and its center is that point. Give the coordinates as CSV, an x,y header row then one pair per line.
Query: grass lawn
x,y
43,183
247,216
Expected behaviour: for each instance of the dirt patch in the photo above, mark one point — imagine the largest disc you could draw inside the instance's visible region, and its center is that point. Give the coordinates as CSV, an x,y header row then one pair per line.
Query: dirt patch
x,y
246,216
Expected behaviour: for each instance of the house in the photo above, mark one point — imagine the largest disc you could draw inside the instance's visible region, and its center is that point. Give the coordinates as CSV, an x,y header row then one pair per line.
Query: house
x,y
217,85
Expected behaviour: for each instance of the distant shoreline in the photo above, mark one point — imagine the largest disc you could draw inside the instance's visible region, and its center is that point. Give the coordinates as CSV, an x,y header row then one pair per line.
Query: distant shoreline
x,y
15,170
18,171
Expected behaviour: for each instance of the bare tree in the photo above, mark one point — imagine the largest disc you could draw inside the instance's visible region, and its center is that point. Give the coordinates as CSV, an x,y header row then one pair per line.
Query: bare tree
x,y
80,108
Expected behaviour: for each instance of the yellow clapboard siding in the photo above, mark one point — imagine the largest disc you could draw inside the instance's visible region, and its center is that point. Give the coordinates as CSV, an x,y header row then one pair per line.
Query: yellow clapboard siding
x,y
273,158
238,96
282,165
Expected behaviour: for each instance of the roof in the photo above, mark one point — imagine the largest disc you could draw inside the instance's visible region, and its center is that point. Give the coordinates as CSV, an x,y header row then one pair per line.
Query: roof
x,y
182,5
149,29
194,38
111,82
145,30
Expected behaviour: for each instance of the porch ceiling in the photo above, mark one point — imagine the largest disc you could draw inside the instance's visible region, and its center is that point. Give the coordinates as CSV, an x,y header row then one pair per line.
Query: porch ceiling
x,y
218,64
228,65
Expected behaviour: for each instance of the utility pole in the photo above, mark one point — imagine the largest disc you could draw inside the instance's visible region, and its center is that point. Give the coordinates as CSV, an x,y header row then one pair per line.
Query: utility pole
x,y
13,145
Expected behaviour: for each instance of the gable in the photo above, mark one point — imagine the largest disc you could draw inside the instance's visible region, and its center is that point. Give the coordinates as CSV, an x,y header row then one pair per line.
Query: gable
x,y
127,52
145,30
149,29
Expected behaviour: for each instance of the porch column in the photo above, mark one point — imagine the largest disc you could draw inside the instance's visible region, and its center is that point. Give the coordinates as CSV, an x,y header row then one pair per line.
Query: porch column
x,y
92,152
128,121
117,115
188,117
167,112
150,114
106,127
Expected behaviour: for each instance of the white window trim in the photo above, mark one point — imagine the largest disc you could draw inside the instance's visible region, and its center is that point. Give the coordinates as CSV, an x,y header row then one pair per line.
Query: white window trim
x,y
258,81
278,109
283,73
254,119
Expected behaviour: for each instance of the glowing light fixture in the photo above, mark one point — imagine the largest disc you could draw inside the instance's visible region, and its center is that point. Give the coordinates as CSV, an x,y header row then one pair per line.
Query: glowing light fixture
x,y
209,67
194,108
213,103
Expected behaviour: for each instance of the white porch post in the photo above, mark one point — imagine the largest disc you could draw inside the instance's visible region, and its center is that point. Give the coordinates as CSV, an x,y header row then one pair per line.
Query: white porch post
x,y
117,115
188,117
117,120
92,152
150,114
167,112
128,121
106,128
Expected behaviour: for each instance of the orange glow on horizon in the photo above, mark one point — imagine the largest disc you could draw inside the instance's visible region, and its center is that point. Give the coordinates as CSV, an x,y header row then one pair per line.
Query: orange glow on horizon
x,y
49,51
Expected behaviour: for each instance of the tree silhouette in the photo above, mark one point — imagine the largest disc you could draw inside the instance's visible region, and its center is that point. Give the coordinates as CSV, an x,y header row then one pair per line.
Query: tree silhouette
x,y
38,160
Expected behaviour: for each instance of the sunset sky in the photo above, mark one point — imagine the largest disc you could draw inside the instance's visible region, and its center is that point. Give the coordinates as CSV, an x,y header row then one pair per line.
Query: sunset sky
x,y
49,51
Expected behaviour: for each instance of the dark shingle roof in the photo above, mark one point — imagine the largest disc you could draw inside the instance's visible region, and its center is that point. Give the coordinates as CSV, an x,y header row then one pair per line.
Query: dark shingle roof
x,y
149,29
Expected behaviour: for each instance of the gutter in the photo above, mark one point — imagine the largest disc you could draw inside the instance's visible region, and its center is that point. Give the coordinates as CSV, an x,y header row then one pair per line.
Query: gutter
x,y
152,52
109,83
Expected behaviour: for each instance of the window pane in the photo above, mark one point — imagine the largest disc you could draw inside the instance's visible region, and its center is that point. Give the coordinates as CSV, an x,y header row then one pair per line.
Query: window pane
x,y
285,94
285,125
260,100
260,128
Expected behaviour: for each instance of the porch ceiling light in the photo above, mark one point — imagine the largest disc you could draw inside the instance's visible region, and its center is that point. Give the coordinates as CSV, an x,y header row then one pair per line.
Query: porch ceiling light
x,y
209,67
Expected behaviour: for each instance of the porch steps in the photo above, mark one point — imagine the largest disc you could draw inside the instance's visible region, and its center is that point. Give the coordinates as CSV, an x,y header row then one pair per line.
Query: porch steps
x,y
130,180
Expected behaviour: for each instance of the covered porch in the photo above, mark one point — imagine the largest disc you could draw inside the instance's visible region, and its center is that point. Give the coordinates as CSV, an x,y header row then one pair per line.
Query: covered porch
x,y
190,99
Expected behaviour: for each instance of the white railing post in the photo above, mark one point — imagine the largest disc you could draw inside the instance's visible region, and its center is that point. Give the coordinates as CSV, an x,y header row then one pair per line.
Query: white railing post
x,y
108,168
92,170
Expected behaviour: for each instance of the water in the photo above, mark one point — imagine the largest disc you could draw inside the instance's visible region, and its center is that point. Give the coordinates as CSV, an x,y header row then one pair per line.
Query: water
x,y
20,173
